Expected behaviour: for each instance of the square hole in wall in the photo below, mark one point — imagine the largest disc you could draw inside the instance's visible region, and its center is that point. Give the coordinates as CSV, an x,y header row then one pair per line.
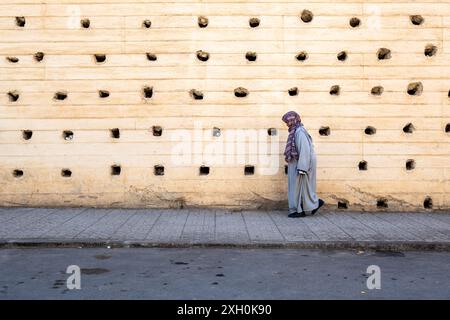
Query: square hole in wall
x,y
115,133
204,170
428,203
17,173
272,131
66,173
342,204
27,134
115,170
158,170
216,132
67,135
13,96
382,203
249,170
157,131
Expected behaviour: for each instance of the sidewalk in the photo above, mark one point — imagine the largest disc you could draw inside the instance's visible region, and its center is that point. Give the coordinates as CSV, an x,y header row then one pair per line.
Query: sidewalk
x,y
87,227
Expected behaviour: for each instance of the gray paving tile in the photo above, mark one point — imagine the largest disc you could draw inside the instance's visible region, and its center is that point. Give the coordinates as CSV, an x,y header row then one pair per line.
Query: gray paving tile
x,y
293,230
14,227
353,227
105,227
7,214
71,228
199,227
230,227
138,226
435,224
325,229
53,220
387,229
169,226
261,227
408,224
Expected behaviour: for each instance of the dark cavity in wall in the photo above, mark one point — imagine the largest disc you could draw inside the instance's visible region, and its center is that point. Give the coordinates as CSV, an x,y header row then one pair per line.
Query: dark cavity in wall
x,y
216,132
447,128
60,95
343,204
428,203
13,96
202,55
146,23
66,173
115,170
377,91
370,130
285,169
335,90
67,135
415,89
27,134
342,56
204,170
17,173
148,92
39,56
306,16
382,203
409,128
249,170
241,92
202,22
410,164
12,59
100,58
384,54
196,94
293,91
103,93
272,131
250,56
115,133
20,22
324,131
85,23
362,165
430,50
302,56
253,22
158,170
157,131
354,22
151,56
416,20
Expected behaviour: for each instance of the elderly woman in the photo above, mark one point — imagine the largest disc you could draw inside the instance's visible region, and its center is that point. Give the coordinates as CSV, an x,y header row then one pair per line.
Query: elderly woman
x,y
301,159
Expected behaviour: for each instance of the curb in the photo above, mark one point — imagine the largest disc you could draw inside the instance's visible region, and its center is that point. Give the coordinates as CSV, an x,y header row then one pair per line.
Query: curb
x,y
324,245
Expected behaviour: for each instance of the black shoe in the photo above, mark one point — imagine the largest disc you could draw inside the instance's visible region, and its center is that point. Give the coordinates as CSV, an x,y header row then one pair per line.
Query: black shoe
x,y
297,215
321,203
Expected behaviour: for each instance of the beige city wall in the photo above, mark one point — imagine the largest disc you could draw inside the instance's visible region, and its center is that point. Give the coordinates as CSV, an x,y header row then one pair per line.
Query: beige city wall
x,y
53,28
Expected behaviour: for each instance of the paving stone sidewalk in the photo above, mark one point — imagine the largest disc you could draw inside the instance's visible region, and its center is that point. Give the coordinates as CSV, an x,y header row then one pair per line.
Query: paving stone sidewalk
x,y
202,227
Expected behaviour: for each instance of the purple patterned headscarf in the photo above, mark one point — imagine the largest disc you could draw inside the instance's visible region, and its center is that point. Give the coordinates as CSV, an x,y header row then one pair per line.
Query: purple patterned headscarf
x,y
292,119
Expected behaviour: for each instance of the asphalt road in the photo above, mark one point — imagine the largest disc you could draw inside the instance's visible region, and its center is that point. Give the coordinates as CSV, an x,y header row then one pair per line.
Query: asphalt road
x,y
221,274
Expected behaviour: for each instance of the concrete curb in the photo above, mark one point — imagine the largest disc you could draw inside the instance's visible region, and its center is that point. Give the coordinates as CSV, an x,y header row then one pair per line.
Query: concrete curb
x,y
325,245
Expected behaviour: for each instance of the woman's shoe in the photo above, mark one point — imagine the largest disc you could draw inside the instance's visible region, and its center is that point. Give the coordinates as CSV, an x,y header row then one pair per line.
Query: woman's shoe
x,y
321,203
297,215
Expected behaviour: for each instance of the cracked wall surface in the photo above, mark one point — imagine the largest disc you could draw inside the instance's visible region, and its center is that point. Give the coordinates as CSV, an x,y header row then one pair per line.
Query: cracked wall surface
x,y
95,94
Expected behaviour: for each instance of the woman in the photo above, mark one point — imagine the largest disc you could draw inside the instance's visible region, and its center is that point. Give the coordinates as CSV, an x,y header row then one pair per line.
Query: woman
x,y
301,158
